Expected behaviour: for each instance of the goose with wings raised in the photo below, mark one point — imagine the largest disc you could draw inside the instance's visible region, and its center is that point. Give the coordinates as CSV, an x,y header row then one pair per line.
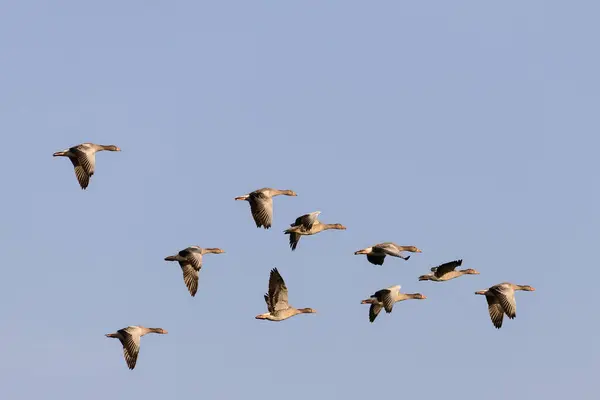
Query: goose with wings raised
x,y
308,224
385,298
277,300
447,271
376,253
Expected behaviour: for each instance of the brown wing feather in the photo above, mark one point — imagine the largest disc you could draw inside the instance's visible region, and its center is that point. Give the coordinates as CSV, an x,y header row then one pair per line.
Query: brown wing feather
x,y
131,348
506,298
294,239
278,293
86,160
443,269
190,278
385,296
495,310
261,207
374,312
82,177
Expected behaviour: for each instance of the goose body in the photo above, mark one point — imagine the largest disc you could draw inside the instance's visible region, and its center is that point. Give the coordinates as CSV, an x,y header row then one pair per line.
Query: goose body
x,y
190,261
308,224
447,271
385,298
261,204
130,339
501,300
376,253
83,158
277,300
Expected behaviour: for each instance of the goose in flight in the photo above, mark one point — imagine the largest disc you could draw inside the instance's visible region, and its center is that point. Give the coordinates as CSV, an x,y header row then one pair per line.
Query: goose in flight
x,y
190,261
130,339
261,204
277,300
385,298
308,224
447,271
83,157
501,300
376,254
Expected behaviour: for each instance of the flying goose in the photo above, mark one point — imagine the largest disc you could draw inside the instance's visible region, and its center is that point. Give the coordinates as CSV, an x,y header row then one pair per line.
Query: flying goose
x,y
83,157
190,261
308,224
130,339
385,298
447,271
261,204
277,300
501,300
376,254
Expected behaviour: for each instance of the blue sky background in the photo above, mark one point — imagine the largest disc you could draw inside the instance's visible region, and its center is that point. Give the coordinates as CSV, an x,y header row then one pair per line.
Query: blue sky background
x,y
467,128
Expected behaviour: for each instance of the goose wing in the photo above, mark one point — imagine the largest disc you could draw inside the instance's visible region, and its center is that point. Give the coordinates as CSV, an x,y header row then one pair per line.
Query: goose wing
x,y
376,259
278,292
443,269
506,298
495,310
86,157
261,207
130,339
374,311
386,297
82,177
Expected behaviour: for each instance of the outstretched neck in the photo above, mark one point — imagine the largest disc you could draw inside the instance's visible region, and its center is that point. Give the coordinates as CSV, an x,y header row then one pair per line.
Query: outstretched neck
x,y
108,147
332,226
212,250
286,192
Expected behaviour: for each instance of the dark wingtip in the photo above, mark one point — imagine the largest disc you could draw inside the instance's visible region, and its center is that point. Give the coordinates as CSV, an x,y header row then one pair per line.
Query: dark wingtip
x,y
407,257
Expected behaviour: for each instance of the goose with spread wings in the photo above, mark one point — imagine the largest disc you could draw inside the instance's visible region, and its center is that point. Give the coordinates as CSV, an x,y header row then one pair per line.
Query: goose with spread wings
x,y
83,158
501,300
130,339
376,253
277,300
261,204
447,271
308,224
385,298
190,261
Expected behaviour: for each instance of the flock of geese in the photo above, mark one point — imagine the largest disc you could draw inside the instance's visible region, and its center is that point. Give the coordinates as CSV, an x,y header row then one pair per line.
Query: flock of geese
x,y
500,297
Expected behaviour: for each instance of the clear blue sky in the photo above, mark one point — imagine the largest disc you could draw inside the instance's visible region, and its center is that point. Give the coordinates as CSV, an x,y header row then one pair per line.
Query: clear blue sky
x,y
466,128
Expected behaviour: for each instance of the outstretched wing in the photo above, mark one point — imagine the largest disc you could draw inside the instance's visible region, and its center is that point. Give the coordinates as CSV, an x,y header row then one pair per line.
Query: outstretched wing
x,y
131,347
506,298
261,207
190,277
86,159
385,296
294,239
278,292
374,311
82,177
376,259
495,310
446,267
